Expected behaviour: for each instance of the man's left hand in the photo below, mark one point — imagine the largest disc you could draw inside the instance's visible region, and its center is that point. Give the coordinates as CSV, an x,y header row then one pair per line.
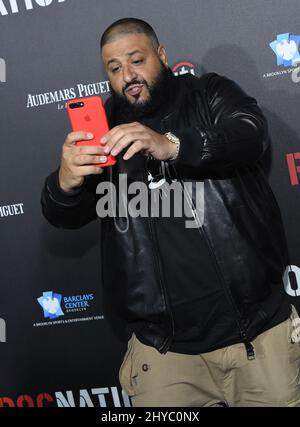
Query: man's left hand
x,y
140,138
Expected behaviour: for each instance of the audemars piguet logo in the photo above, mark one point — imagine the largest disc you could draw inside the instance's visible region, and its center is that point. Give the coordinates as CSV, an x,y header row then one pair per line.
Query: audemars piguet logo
x,y
61,96
11,210
7,7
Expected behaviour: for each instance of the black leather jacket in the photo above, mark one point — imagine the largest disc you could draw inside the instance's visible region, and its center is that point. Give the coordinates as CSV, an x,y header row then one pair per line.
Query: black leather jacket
x,y
223,136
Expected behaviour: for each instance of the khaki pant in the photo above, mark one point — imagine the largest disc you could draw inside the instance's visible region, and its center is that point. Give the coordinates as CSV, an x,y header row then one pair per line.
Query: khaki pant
x,y
224,376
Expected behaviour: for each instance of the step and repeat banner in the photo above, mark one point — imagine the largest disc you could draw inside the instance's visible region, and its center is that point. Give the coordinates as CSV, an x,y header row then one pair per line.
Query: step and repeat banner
x,y
57,346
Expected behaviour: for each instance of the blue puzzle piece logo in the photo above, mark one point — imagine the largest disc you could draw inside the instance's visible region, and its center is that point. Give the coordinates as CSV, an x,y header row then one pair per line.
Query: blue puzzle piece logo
x,y
286,49
50,303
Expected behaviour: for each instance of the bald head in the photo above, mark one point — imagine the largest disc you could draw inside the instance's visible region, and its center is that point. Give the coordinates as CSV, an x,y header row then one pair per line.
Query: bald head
x,y
127,26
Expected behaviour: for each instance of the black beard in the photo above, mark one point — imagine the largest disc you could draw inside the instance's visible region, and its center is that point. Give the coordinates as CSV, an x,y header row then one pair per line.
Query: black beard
x,y
158,94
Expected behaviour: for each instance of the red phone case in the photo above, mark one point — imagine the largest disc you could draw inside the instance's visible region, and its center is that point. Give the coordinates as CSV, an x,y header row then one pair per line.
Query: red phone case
x,y
90,116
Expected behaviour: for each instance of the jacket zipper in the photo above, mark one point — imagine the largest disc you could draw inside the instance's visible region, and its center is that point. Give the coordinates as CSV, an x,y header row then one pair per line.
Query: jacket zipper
x,y
248,346
166,345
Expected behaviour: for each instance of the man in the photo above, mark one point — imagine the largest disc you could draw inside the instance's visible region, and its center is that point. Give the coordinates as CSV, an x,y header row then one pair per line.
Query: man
x,y
207,318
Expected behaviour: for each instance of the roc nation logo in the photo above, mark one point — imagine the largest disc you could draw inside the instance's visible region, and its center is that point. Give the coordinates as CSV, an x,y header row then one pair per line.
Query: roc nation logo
x,y
8,7
183,68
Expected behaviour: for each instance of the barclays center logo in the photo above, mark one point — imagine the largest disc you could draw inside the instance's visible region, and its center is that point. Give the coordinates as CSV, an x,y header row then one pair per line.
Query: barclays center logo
x,y
55,305
51,305
286,49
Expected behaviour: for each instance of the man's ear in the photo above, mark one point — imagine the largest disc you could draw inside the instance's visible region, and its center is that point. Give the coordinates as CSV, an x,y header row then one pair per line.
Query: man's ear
x,y
162,55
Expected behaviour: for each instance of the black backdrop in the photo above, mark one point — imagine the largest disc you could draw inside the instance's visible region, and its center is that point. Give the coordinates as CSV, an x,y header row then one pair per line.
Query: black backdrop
x,y
49,50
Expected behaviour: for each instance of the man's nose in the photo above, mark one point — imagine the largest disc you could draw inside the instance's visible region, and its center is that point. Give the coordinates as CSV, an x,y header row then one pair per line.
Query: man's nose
x,y
129,74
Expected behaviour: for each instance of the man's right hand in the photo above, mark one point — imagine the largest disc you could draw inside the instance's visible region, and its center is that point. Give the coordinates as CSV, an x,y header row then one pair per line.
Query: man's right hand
x,y
79,161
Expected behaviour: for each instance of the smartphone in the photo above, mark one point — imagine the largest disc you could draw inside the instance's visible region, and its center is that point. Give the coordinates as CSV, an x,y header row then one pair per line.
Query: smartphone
x,y
88,115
